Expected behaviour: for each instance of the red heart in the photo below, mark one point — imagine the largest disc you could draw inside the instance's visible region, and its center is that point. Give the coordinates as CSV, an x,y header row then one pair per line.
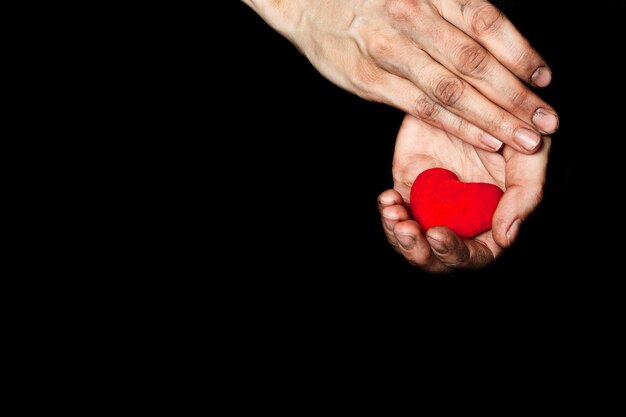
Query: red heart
x,y
439,198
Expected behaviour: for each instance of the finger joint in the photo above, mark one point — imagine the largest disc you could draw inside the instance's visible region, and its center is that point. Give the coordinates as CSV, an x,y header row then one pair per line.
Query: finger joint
x,y
448,90
426,108
486,19
472,59
518,100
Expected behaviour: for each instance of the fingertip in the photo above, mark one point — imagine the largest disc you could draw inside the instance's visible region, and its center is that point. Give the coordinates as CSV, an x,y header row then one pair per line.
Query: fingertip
x,y
505,231
389,197
442,239
498,231
504,216
545,120
513,232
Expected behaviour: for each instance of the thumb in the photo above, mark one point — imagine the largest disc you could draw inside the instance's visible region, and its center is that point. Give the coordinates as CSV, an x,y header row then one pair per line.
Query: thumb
x,y
525,177
515,206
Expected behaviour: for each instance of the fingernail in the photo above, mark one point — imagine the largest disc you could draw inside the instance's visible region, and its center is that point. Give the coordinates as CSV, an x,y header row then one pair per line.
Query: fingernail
x,y
527,139
513,231
406,241
541,77
546,121
386,202
490,141
437,245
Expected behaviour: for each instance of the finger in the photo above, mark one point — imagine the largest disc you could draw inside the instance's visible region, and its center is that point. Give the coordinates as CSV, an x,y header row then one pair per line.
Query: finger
x,y
457,253
390,216
389,198
472,62
412,244
405,95
468,60
443,99
460,98
410,241
486,24
525,179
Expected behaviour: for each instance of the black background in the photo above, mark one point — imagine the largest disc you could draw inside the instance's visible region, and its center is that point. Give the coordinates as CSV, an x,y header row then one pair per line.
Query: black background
x,y
294,174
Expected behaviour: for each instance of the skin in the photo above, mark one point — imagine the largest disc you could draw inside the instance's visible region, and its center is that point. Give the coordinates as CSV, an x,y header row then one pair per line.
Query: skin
x,y
459,65
420,146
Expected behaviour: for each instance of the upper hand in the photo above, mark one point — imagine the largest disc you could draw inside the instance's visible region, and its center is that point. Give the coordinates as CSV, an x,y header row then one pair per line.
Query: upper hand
x,y
457,64
419,147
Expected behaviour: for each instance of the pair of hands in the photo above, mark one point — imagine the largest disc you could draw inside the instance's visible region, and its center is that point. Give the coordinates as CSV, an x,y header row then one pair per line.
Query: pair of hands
x,y
461,67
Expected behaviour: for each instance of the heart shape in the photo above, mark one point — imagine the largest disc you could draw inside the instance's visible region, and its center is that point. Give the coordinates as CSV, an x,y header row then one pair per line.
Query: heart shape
x,y
439,198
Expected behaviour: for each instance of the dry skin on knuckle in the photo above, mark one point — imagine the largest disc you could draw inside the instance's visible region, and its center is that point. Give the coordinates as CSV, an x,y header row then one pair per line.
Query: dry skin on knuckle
x,y
425,108
498,123
518,100
486,19
471,59
526,62
448,90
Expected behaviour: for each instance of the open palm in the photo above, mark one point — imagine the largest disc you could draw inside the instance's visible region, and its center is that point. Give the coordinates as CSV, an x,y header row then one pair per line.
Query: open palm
x,y
420,146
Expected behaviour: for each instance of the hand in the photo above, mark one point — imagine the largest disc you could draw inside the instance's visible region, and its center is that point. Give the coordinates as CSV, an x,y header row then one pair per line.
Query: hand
x,y
420,146
455,64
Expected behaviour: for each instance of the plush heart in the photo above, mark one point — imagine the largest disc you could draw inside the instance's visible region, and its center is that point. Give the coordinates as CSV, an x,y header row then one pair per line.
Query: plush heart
x,y
439,198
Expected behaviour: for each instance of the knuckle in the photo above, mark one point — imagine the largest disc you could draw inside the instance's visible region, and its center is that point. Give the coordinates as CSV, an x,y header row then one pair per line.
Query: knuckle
x,y
486,19
518,100
498,122
380,47
399,10
366,78
471,59
526,61
425,108
448,90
